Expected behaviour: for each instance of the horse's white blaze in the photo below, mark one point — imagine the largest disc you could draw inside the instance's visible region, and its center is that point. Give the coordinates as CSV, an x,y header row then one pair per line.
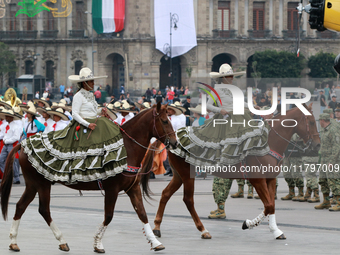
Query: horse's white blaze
x,y
98,237
14,231
150,236
255,222
273,227
57,233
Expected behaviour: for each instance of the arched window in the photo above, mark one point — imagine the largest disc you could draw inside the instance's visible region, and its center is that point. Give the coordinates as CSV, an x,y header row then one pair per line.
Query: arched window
x,y
49,70
77,66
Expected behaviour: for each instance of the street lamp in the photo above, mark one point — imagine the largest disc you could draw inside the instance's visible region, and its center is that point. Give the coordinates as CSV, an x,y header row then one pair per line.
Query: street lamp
x,y
93,51
168,49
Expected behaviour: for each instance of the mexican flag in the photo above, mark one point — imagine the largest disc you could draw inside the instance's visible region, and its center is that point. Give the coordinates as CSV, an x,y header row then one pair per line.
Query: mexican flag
x,y
108,15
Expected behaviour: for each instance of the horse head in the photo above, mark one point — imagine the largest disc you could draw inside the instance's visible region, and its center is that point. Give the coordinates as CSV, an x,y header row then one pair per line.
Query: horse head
x,y
162,129
306,128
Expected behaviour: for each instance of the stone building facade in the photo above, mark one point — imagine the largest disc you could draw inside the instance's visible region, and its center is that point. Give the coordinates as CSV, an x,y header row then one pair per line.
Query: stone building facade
x,y
58,43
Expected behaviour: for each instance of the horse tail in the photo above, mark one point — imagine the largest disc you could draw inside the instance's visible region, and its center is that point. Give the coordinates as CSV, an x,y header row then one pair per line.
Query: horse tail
x,y
146,170
7,180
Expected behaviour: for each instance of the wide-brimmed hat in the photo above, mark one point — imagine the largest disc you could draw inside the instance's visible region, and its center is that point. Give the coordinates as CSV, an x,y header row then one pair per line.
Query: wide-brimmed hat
x,y
41,110
145,105
31,109
177,110
225,70
10,113
56,105
42,100
179,106
59,112
85,74
197,109
123,106
111,112
5,105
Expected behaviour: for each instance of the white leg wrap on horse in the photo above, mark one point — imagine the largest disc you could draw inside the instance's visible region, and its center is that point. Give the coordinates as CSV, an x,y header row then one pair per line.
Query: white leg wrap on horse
x,y
204,231
255,222
14,231
150,236
273,227
57,233
98,237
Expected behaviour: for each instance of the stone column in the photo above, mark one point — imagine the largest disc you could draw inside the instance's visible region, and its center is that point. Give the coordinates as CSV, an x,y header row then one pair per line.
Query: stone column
x,y
280,17
246,12
236,17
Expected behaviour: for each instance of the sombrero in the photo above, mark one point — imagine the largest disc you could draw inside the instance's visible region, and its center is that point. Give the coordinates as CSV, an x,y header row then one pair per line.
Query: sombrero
x,y
110,111
42,100
41,110
85,74
9,113
63,101
145,105
31,109
178,105
59,112
123,106
60,105
5,105
177,110
197,109
225,70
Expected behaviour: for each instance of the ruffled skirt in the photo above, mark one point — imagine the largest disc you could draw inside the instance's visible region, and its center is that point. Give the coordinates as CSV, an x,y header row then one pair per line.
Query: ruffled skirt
x,y
59,156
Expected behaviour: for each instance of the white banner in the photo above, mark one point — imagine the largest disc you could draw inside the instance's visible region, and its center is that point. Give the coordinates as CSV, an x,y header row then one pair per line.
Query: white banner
x,y
184,37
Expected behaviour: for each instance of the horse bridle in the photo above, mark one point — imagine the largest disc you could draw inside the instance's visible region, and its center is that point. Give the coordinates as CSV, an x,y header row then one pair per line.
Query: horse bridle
x,y
309,135
167,138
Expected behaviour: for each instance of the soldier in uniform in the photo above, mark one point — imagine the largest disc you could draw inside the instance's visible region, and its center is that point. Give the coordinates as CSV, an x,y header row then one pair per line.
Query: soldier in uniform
x,y
240,192
220,189
294,176
330,152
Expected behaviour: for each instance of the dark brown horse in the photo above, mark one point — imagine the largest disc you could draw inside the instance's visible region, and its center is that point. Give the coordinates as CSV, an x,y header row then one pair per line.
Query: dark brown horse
x,y
138,132
264,183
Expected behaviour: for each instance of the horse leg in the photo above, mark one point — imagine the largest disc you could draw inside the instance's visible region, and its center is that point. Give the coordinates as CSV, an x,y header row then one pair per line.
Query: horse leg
x,y
167,193
188,198
110,202
137,203
278,234
44,192
260,186
26,198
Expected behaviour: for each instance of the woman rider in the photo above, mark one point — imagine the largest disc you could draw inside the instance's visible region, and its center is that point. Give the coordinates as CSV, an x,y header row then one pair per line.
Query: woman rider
x,y
87,149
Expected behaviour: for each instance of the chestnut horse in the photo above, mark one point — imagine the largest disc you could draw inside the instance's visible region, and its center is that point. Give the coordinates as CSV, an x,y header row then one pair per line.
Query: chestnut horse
x,y
136,136
265,184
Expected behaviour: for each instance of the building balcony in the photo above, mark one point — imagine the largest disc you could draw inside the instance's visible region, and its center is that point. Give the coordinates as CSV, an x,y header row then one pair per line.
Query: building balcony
x,y
80,33
231,34
119,34
29,34
326,35
259,34
49,34
9,34
293,34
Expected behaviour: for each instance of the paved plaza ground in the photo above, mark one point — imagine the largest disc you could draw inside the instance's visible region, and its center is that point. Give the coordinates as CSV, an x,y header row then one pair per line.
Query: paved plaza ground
x,y
308,231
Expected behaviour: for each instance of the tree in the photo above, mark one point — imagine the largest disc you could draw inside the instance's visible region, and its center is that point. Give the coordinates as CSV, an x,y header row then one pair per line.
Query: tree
x,y
321,65
278,64
256,75
7,63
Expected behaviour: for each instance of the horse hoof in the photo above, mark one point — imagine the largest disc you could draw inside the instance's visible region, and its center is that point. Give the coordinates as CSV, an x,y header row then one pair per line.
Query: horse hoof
x,y
99,250
281,237
159,248
244,225
64,247
14,247
157,232
206,235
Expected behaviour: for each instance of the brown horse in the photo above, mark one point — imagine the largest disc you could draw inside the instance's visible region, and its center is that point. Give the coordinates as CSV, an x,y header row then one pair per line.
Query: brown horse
x,y
136,136
264,183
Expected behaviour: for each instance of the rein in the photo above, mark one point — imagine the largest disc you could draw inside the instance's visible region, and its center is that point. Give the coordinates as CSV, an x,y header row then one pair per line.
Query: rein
x,y
310,136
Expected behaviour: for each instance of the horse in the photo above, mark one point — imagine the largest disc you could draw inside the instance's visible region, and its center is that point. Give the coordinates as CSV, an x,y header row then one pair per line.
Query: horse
x,y
147,124
264,183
